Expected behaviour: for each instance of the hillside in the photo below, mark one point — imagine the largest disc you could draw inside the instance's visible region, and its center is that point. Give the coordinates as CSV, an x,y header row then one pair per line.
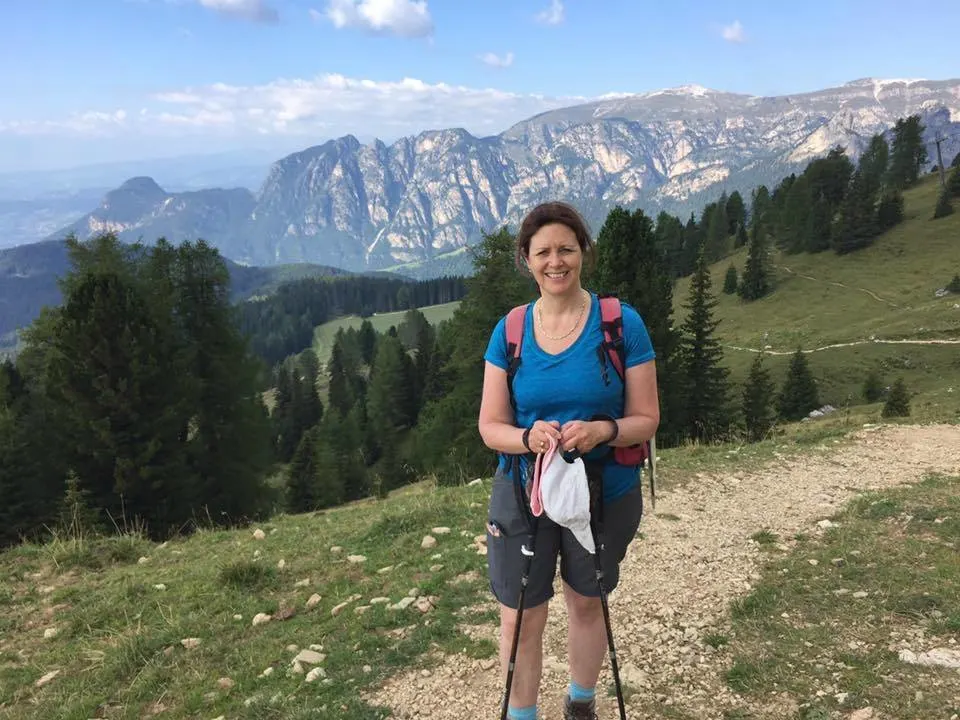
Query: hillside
x,y
324,334
29,275
883,292
373,206
381,608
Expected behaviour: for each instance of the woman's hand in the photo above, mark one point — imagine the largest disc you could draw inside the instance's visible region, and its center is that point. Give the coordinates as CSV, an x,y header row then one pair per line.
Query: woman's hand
x,y
584,435
540,433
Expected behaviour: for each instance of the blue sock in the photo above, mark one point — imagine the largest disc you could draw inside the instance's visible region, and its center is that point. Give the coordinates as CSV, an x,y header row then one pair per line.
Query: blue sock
x,y
579,693
524,713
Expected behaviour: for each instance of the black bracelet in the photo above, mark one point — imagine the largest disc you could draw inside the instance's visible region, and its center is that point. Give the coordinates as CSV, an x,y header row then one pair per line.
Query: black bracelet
x,y
616,426
526,439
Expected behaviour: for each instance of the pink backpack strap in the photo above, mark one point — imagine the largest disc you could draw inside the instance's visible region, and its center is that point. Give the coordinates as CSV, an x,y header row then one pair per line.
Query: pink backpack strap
x,y
515,320
611,322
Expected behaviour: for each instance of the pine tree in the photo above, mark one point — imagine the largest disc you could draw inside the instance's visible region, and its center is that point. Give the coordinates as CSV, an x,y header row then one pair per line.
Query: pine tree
x,y
908,153
705,378
953,183
872,387
898,401
793,228
741,238
736,212
717,239
303,474
758,410
230,450
761,207
889,211
340,393
944,206
756,281
821,226
799,394
730,281
447,442
629,260
115,377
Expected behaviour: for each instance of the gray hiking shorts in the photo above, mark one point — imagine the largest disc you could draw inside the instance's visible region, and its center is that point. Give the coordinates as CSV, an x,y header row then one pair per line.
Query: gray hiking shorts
x,y
507,532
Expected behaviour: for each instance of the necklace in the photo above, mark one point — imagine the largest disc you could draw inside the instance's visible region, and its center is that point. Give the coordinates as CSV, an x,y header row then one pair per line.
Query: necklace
x,y
576,324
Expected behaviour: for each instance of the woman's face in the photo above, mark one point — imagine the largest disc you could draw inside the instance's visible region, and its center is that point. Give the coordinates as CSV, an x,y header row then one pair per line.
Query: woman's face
x,y
555,259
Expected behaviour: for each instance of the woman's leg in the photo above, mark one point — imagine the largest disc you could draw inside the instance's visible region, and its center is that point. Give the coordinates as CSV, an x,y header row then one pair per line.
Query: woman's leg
x,y
508,544
586,637
529,662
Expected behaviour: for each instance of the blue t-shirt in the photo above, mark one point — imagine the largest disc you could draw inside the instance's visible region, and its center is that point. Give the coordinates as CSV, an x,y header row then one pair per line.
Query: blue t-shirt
x,y
570,386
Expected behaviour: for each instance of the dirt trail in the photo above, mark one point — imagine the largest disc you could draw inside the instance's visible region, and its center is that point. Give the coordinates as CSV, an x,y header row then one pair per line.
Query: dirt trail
x,y
678,582
875,341
839,284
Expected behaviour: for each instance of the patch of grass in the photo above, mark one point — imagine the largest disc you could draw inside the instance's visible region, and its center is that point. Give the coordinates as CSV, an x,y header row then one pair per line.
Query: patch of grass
x,y
764,538
323,335
120,625
829,633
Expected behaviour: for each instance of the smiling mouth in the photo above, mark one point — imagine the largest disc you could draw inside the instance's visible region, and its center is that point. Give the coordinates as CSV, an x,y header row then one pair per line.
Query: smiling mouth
x,y
557,276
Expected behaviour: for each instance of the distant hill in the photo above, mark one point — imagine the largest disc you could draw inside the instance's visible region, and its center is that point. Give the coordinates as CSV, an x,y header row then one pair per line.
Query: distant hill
x,y
28,281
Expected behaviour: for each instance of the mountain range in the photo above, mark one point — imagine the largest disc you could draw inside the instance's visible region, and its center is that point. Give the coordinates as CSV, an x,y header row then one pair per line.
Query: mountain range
x,y
371,206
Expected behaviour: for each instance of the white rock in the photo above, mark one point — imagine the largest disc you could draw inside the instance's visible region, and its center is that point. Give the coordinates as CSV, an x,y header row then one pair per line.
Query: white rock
x,y
440,530
311,657
259,534
429,541
47,678
356,558
261,618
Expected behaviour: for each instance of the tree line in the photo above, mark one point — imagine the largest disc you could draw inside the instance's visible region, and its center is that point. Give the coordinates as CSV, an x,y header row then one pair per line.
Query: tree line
x,y
282,324
142,393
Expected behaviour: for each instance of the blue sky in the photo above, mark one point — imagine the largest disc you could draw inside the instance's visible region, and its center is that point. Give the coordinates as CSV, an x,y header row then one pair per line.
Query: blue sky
x,y
86,81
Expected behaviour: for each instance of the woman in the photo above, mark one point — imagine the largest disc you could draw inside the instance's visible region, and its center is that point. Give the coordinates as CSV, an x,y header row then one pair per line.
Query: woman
x,y
557,388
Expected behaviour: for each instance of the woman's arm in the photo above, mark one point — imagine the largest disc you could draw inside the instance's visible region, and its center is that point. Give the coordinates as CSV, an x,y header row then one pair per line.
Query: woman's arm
x,y
641,409
496,421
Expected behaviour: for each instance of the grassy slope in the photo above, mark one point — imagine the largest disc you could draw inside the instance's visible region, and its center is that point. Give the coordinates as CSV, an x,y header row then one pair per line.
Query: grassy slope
x,y
324,335
904,267
843,605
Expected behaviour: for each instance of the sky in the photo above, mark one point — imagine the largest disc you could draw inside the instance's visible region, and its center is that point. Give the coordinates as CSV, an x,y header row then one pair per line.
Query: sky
x,y
91,81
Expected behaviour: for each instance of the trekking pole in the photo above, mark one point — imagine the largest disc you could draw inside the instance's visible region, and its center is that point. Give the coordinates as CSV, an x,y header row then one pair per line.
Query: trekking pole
x,y
614,666
528,553
597,504
652,459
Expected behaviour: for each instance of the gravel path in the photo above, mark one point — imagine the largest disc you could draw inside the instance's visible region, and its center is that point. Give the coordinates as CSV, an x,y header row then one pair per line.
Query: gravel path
x,y
677,583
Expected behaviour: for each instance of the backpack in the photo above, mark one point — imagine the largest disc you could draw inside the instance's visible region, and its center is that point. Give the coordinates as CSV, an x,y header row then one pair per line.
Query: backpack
x,y
611,324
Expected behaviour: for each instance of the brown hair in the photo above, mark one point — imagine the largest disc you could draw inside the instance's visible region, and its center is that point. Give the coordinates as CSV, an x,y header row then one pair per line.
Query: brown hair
x,y
550,213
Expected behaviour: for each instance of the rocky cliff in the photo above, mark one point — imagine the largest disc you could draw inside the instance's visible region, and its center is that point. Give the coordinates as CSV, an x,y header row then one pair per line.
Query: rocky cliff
x,y
363,207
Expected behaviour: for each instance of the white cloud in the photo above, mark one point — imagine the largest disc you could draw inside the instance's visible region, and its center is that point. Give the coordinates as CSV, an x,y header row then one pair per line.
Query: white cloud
x,y
256,10
404,18
733,32
494,60
553,15
325,106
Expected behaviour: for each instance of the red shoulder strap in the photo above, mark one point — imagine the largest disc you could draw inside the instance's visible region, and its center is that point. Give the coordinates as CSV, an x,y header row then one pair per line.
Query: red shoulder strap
x,y
515,320
611,320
